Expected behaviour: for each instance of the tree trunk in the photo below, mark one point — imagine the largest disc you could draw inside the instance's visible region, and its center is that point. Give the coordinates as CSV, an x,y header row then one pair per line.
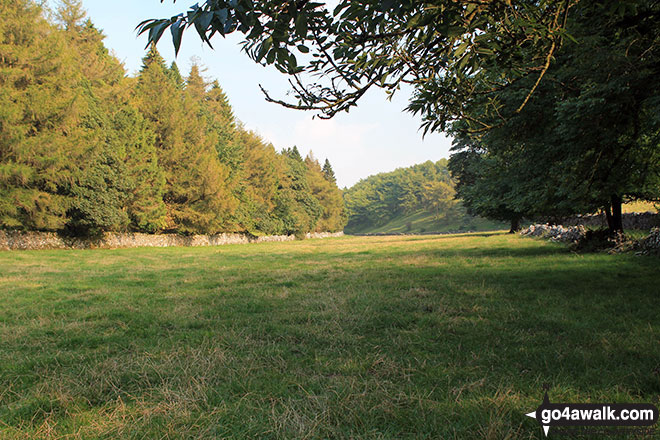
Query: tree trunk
x,y
515,225
617,217
614,216
608,217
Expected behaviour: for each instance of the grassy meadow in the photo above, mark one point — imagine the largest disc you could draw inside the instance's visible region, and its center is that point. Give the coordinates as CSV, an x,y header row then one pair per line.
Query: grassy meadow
x,y
422,337
424,222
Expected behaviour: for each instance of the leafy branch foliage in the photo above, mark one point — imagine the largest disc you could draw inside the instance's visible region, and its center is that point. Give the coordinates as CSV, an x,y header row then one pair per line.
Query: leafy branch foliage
x,y
442,48
588,138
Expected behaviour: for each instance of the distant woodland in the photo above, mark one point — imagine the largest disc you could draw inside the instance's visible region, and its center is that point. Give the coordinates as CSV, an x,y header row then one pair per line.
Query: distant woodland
x,y
84,148
420,198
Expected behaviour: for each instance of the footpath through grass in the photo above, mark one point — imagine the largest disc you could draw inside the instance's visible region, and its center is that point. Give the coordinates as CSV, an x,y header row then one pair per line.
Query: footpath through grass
x,y
373,337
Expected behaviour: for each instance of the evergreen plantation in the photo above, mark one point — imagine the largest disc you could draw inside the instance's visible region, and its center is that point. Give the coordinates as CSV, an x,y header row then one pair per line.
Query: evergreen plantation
x,y
85,149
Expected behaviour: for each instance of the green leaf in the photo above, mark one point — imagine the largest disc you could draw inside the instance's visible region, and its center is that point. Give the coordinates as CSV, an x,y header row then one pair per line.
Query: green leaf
x,y
301,24
177,33
571,37
455,31
270,58
157,31
302,48
461,48
293,63
263,50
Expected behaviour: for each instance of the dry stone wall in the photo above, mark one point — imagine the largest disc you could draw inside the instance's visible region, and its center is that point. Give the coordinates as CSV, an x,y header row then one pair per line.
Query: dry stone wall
x,y
15,240
641,220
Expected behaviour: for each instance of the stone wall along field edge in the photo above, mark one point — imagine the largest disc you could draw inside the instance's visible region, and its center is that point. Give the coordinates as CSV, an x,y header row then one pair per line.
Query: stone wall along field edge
x,y
20,240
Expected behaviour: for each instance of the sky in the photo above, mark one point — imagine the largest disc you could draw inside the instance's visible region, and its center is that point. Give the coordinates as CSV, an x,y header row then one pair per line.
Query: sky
x,y
376,136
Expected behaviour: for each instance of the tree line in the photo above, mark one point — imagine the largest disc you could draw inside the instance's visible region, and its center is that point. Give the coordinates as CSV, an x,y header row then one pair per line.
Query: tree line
x,y
383,197
554,104
85,149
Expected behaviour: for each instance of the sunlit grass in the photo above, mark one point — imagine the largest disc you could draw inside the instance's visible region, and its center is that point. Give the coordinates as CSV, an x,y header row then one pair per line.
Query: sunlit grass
x,y
640,206
425,222
380,337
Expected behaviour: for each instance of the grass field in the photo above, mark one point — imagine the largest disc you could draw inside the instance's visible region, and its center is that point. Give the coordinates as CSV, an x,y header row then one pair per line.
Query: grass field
x,y
640,206
425,222
374,337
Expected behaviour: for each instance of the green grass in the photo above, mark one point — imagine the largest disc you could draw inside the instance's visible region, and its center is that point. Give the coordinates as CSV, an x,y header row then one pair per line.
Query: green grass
x,y
374,337
426,222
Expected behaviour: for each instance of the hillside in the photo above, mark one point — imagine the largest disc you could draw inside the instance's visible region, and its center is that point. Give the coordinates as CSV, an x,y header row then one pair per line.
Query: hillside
x,y
423,222
416,199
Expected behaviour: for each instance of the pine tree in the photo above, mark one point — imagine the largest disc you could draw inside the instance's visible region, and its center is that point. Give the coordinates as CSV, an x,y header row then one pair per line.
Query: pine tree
x,y
144,179
325,191
84,148
297,207
257,186
119,150
196,193
153,58
70,14
293,153
196,86
223,125
40,110
328,172
214,203
175,75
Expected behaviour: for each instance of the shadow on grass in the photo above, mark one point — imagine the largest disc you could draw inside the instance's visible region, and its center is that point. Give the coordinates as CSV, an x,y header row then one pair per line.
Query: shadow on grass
x,y
426,342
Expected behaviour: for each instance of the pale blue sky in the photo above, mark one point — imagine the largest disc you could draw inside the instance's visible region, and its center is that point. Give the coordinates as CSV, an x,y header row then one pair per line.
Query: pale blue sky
x,y
374,137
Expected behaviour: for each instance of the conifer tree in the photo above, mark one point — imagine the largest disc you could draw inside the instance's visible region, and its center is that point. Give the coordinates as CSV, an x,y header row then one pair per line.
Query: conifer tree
x,y
327,194
328,172
298,209
175,75
223,125
258,183
71,14
119,151
293,153
39,110
144,179
159,100
213,203
86,149
196,193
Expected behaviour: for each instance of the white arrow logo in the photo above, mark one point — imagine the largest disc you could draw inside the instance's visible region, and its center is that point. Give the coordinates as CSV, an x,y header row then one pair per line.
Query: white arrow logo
x,y
546,428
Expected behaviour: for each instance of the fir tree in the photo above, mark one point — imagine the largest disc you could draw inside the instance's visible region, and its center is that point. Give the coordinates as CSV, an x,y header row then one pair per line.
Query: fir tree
x,y
328,196
175,75
293,153
70,14
39,108
328,172
196,193
223,124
